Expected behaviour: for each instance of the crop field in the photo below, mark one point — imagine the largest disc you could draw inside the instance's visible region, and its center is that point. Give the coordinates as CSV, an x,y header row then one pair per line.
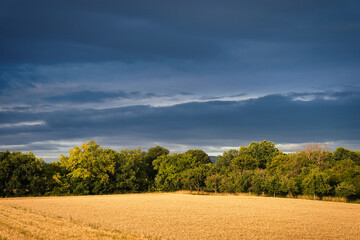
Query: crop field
x,y
176,216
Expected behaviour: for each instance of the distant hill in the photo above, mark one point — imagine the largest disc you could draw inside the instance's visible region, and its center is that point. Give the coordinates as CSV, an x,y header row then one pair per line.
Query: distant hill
x,y
213,158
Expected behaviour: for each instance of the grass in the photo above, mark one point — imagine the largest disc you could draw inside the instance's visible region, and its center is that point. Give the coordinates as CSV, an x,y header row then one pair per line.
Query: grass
x,y
176,216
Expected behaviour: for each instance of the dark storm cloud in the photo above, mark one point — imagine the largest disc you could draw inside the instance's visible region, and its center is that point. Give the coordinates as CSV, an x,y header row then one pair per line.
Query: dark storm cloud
x,y
53,32
279,45
273,117
87,31
59,57
91,96
88,96
17,77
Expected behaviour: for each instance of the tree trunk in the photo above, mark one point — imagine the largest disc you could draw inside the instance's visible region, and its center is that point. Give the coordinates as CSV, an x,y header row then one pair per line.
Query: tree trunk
x,y
274,194
314,196
190,189
198,190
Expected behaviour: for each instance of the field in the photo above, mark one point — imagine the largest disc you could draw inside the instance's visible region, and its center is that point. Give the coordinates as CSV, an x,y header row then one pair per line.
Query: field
x,y
176,216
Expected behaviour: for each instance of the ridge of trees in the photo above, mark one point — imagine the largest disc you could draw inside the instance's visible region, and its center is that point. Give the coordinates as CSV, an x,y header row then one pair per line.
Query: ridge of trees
x,y
259,168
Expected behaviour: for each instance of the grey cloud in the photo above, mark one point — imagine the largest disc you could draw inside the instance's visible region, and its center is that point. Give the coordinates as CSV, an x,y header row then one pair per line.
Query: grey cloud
x,y
57,54
83,31
273,117
89,96
249,46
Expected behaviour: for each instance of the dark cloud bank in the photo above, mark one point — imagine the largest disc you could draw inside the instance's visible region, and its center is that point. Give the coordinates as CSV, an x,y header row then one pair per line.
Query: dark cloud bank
x,y
58,59
279,118
45,32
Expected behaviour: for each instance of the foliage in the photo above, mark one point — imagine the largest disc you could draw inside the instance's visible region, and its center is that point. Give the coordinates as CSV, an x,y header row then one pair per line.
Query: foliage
x,y
273,184
316,183
258,181
263,152
259,168
346,190
21,174
195,177
131,171
89,169
199,156
152,154
170,168
213,182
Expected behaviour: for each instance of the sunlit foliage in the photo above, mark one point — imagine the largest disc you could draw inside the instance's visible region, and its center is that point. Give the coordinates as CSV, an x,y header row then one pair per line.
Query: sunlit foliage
x,y
259,168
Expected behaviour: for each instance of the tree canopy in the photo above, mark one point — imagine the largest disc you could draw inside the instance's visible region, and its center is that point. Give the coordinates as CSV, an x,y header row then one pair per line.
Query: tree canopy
x,y
259,168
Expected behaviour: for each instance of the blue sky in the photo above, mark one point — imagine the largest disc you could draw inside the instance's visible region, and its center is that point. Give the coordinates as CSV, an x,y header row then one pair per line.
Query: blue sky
x,y
187,74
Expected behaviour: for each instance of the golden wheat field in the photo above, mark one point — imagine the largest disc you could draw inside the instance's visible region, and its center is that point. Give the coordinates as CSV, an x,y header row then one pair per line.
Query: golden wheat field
x,y
176,216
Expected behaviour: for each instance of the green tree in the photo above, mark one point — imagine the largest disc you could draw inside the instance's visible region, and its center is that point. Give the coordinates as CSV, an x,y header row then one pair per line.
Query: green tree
x,y
230,182
258,181
131,171
293,186
213,182
346,171
244,181
195,177
316,183
273,184
57,182
22,174
245,162
280,163
263,152
199,156
346,190
90,169
343,154
223,162
170,168
152,154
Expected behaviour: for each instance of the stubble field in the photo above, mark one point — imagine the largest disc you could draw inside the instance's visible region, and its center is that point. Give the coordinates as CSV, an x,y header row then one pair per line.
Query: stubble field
x,y
176,216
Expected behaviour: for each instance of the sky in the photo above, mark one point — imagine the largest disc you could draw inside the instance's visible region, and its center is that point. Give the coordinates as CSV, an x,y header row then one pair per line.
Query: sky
x,y
183,74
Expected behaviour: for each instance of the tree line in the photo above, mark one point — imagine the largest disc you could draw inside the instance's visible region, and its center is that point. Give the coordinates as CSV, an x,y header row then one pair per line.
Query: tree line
x,y
259,168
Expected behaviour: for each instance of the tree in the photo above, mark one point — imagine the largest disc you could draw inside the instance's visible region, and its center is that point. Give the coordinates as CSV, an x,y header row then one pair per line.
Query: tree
x,y
316,183
244,181
273,184
346,190
199,156
262,152
21,174
280,163
90,169
195,177
213,182
131,171
56,183
152,154
293,186
346,171
258,181
316,153
170,168
245,162
343,154
223,162
230,181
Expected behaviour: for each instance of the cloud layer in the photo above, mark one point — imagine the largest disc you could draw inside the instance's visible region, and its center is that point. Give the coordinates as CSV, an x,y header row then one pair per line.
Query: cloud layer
x,y
281,118
210,74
